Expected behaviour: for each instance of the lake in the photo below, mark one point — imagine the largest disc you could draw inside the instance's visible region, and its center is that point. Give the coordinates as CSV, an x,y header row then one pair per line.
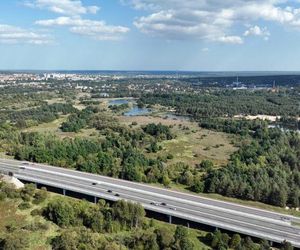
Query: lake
x,y
134,111
119,102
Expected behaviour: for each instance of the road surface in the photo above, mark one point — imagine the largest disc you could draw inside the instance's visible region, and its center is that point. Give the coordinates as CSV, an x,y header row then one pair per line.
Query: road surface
x,y
254,222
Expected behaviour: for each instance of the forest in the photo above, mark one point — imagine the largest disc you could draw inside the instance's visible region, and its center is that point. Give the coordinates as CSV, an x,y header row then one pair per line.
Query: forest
x,y
228,103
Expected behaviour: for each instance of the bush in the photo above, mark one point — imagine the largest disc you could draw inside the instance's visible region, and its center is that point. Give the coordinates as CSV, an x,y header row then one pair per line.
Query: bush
x,y
40,196
36,212
24,205
15,241
3,196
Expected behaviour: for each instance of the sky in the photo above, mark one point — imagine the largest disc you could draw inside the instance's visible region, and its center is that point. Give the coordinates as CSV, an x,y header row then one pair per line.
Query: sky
x,y
185,35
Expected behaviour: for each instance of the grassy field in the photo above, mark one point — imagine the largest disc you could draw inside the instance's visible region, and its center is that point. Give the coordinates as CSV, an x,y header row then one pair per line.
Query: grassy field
x,y
54,127
16,219
192,144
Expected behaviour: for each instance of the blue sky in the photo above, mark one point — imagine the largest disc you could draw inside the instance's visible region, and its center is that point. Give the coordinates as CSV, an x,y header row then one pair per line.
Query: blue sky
x,y
198,35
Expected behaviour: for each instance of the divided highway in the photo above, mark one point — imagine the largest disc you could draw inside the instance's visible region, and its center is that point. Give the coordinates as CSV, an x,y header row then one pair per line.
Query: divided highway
x,y
242,219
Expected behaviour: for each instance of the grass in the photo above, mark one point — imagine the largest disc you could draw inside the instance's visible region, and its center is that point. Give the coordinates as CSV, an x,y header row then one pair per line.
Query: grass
x,y
54,127
13,217
192,144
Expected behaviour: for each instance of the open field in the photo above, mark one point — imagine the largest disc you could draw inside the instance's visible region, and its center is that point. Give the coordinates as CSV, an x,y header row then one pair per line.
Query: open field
x,y
54,127
17,220
192,144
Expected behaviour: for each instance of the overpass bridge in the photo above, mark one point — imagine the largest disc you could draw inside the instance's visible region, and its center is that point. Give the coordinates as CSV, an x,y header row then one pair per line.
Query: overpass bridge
x,y
254,222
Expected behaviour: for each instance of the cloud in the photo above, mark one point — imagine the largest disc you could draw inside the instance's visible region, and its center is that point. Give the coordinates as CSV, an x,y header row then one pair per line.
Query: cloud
x,y
258,31
15,35
212,20
230,39
98,30
63,7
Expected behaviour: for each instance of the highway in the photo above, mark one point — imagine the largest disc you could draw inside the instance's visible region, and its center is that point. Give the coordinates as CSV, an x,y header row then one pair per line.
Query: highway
x,y
254,222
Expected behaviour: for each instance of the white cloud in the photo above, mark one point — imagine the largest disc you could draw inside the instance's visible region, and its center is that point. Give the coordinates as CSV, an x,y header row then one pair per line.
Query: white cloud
x,y
212,20
258,31
98,30
63,7
15,35
205,50
230,39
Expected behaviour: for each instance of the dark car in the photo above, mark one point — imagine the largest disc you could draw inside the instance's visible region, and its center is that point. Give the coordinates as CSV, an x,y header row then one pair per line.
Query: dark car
x,y
109,191
163,204
117,195
94,183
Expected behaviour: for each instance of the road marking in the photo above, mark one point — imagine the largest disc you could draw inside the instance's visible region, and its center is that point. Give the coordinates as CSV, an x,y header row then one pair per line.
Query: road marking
x,y
179,208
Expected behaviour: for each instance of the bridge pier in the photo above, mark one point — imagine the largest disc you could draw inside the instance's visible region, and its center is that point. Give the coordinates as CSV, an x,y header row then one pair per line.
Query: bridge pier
x,y
170,219
64,192
95,200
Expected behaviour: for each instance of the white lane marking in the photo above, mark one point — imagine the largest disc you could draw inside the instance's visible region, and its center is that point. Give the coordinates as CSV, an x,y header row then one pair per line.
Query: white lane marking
x,y
164,196
181,208
201,220
150,187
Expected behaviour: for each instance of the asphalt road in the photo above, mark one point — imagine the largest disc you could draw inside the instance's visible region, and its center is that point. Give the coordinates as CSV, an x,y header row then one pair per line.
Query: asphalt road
x,y
238,218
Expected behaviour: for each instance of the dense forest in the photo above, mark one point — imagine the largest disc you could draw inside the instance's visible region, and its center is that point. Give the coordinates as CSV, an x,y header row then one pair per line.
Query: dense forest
x,y
227,103
267,169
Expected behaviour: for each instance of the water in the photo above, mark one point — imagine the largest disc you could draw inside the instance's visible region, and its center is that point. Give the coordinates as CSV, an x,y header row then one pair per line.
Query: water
x,y
118,102
134,111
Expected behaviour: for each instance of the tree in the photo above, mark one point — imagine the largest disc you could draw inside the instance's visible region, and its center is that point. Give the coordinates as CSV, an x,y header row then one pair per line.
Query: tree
x,y
285,245
61,212
182,240
235,241
166,180
165,237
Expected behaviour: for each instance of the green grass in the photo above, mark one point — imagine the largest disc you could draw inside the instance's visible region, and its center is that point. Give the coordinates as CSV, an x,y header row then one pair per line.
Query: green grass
x,y
190,146
194,145
13,217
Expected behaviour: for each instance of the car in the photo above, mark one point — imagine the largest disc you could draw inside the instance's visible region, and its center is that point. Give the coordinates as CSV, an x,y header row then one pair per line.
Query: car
x,y
117,195
173,208
94,183
163,204
22,168
109,191
153,204
285,218
25,163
